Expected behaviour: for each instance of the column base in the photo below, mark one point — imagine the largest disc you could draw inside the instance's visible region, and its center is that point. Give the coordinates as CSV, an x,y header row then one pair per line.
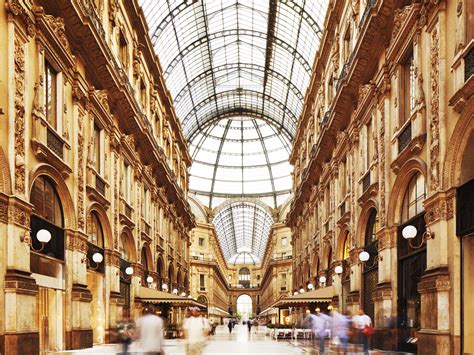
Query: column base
x,y
432,342
79,339
19,343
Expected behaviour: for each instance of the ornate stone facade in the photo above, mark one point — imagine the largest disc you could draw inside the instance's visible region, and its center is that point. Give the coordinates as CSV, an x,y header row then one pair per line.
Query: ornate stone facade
x,y
389,145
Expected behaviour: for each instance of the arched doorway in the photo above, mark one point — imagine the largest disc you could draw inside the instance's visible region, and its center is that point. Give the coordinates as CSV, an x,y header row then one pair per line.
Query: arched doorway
x,y
411,259
244,307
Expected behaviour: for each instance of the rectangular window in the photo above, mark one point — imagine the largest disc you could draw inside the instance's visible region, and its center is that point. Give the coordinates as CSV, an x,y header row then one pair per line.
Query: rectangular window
x,y
50,95
123,49
201,242
369,145
283,282
143,93
146,204
202,284
284,241
126,181
408,87
96,148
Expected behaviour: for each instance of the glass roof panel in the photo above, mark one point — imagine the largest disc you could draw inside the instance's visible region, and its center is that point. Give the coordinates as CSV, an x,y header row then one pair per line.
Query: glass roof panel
x,y
243,228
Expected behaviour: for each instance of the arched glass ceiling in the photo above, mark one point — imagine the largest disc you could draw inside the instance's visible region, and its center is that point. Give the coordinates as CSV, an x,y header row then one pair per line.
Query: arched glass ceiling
x,y
236,60
243,228
240,156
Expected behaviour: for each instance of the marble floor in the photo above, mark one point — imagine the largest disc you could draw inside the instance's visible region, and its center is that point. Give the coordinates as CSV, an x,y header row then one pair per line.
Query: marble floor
x,y
223,343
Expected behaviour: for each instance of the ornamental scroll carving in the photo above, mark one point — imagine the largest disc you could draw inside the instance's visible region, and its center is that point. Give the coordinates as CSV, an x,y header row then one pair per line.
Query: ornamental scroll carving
x,y
398,20
80,173
382,164
434,122
57,25
19,77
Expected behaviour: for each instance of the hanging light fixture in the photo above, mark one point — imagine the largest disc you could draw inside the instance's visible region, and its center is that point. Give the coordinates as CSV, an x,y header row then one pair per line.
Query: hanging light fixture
x,y
338,269
310,286
149,279
322,279
409,232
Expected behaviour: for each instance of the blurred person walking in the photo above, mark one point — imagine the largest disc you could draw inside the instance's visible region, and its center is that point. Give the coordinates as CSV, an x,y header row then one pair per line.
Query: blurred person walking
x,y
150,333
319,323
126,332
249,325
363,325
196,329
340,330
230,326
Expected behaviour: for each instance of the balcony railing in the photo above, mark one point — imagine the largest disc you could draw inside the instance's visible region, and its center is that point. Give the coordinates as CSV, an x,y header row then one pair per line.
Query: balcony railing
x,y
368,8
404,138
54,143
469,64
100,185
244,285
366,182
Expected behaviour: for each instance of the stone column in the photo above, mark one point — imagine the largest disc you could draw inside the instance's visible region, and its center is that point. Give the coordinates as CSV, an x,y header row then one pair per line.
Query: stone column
x,y
19,302
114,299
78,296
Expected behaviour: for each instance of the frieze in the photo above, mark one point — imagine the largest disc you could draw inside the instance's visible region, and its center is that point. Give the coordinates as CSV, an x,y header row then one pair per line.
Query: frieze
x,y
19,215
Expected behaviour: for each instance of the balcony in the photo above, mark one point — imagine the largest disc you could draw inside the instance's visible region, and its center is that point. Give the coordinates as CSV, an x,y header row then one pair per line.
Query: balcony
x,y
404,138
126,213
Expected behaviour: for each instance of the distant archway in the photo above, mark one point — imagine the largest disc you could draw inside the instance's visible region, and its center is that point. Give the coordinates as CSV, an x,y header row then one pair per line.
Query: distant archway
x,y
244,307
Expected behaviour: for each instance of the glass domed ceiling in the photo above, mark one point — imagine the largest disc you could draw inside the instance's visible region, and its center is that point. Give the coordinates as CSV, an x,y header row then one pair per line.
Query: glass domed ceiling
x,y
243,228
237,71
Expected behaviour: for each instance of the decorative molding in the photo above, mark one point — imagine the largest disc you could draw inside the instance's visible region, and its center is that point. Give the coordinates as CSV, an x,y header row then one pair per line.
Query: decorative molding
x,y
19,102
80,172
434,147
439,206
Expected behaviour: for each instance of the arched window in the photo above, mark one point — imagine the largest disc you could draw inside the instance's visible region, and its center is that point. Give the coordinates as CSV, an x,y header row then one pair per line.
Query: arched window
x,y
145,264
413,199
123,247
46,203
47,214
346,247
371,227
95,233
160,271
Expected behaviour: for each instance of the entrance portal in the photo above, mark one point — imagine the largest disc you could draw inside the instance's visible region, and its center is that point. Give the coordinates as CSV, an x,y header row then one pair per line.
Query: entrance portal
x,y
244,307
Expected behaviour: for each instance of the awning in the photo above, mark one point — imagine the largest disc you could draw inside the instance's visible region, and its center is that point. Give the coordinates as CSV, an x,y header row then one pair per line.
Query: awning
x,y
218,311
154,296
324,294
268,311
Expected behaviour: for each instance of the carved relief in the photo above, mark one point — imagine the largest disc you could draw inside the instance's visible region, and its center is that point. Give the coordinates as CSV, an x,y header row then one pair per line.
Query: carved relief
x,y
103,99
19,116
398,19
57,25
80,172
382,164
434,122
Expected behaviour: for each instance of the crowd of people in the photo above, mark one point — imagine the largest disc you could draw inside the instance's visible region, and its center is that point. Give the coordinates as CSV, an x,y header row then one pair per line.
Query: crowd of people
x,y
147,333
340,327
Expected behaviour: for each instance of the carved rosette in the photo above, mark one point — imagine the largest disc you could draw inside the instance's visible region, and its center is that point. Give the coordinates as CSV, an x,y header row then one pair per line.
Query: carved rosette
x,y
80,173
434,122
19,101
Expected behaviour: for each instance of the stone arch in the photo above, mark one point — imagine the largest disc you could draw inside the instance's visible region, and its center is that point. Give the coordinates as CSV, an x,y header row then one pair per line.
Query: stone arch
x,y
398,190
315,265
5,182
344,233
363,219
69,212
459,142
104,221
160,269
126,236
146,252
327,257
171,275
